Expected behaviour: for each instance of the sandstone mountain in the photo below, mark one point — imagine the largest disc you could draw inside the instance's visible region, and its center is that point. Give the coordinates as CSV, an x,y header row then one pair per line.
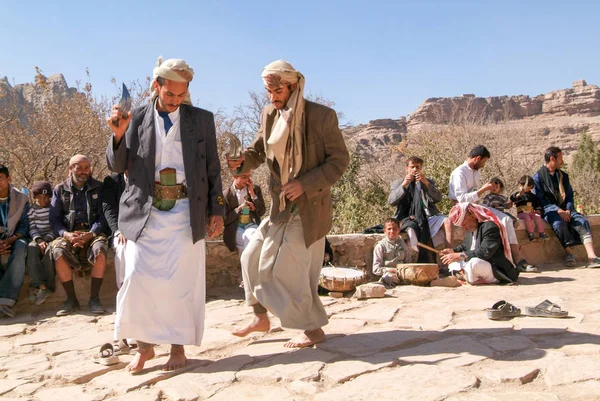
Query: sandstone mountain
x,y
556,118
24,97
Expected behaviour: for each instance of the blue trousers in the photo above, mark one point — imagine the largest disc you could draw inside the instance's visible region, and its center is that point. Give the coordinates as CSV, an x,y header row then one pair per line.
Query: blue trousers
x,y
569,234
14,273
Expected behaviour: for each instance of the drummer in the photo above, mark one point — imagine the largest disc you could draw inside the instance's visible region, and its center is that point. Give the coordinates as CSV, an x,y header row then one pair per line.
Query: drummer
x,y
484,257
389,252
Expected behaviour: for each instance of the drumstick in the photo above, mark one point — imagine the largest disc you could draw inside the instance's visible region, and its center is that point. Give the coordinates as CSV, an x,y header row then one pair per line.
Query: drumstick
x,y
428,247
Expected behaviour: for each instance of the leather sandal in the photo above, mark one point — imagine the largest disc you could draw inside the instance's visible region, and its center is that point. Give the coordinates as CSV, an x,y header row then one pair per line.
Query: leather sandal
x,y
502,310
546,309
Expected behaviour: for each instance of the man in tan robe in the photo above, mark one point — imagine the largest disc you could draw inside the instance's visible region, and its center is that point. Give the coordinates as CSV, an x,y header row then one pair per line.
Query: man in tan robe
x,y
306,154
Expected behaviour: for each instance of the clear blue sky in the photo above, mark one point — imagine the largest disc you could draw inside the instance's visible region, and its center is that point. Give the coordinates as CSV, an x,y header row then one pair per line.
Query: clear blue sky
x,y
375,59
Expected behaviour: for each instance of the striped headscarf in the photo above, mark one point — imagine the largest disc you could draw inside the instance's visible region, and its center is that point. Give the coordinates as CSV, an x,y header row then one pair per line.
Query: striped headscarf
x,y
482,214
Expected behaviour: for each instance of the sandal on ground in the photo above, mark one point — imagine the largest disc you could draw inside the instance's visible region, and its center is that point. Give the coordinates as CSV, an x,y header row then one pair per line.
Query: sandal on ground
x,y
526,267
106,355
593,263
122,347
546,309
6,311
502,310
570,260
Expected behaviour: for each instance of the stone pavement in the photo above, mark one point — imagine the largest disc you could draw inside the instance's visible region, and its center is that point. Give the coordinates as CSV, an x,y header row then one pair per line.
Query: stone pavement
x,y
417,343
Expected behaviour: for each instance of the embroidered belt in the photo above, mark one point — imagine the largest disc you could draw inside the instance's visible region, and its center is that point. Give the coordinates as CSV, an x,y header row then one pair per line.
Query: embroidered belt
x,y
169,192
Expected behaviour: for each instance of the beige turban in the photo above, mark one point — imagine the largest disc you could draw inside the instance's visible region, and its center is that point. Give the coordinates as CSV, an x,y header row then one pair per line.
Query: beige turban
x,y
78,159
173,69
289,125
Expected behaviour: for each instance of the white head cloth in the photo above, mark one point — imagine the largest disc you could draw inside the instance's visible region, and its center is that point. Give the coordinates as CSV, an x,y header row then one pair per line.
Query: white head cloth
x,y
285,142
173,69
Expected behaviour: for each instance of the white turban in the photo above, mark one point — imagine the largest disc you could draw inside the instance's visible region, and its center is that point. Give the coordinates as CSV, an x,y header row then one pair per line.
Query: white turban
x,y
290,124
173,69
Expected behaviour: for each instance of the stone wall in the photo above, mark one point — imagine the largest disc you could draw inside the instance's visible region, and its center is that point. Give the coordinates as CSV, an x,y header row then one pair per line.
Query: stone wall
x,y
351,250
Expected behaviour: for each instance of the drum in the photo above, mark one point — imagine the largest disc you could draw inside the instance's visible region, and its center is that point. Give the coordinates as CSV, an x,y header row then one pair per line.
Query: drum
x,y
417,273
340,279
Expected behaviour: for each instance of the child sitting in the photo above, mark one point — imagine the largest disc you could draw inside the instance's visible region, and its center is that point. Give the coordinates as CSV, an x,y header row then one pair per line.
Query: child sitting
x,y
496,200
39,259
389,252
529,208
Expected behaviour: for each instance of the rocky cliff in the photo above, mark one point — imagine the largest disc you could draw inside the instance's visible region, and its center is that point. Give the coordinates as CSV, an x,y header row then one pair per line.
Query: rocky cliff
x,y
556,118
581,100
23,97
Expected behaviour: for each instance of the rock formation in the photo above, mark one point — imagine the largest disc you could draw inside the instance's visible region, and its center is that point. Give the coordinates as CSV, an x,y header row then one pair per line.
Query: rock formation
x,y
582,100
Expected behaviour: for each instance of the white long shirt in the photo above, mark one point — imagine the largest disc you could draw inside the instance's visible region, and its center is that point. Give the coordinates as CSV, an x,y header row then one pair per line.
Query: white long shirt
x,y
464,184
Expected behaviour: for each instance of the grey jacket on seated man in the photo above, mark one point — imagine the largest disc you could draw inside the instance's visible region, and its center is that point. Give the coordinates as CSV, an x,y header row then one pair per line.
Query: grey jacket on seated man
x,y
137,156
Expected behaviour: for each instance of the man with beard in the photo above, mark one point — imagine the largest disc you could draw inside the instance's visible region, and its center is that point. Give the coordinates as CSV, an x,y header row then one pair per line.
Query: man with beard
x,y
465,186
77,220
172,201
305,151
553,189
415,197
484,256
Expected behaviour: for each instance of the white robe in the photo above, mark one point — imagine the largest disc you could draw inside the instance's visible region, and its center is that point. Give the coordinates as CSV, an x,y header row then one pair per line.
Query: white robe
x,y
163,294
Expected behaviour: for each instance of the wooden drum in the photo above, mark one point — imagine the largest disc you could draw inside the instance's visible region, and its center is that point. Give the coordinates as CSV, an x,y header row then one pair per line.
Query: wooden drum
x,y
417,273
340,279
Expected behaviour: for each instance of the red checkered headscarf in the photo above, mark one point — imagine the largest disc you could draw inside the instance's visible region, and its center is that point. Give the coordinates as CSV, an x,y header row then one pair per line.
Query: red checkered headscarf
x,y
482,214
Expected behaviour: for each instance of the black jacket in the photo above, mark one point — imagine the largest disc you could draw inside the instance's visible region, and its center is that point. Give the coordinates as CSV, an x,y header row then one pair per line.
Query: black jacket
x,y
489,247
112,189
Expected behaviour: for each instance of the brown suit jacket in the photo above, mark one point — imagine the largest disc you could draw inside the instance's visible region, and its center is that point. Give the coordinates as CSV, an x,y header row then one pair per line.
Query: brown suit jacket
x,y
232,217
324,160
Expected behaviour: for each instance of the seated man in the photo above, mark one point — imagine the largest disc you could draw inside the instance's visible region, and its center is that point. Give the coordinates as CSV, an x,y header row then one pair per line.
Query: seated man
x,y
553,189
465,186
415,197
14,206
389,252
244,206
112,189
484,256
76,218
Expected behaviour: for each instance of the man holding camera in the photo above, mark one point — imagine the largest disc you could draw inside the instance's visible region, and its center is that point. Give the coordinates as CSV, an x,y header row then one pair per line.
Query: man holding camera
x,y
415,197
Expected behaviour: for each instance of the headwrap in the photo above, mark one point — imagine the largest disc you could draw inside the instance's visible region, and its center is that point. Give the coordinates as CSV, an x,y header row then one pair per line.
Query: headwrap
x,y
41,188
285,142
173,69
78,159
482,214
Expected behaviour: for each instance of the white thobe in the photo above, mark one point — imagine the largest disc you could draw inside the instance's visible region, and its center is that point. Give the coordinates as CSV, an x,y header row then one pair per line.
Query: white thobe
x,y
163,294
464,183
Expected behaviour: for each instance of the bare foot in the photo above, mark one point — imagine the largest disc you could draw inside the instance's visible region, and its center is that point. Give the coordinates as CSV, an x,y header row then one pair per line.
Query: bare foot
x,y
260,323
306,339
177,359
140,358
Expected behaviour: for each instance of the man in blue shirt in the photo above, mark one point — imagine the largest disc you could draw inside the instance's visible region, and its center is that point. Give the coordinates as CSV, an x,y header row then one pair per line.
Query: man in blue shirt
x,y
77,219
14,228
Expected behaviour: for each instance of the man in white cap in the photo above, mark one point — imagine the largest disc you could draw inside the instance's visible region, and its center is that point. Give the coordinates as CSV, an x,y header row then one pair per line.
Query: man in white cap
x,y
77,220
172,201
306,153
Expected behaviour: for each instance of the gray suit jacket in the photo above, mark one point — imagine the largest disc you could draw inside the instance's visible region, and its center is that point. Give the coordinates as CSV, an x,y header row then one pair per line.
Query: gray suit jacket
x,y
137,155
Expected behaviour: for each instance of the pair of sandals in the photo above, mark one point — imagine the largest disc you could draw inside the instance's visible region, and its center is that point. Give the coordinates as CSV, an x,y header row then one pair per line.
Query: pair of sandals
x,y
503,310
109,353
